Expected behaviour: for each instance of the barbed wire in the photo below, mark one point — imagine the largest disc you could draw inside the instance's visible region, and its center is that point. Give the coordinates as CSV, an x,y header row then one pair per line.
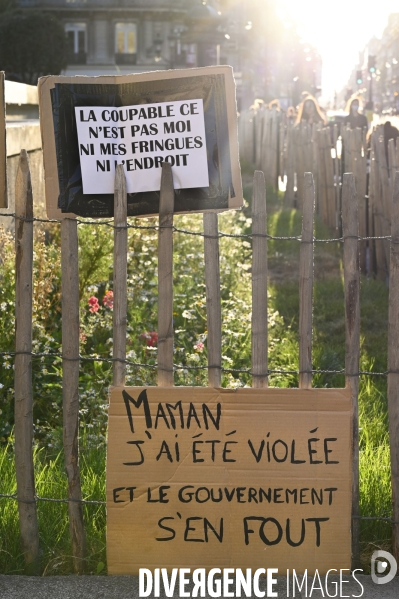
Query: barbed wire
x,y
176,367
220,234
50,499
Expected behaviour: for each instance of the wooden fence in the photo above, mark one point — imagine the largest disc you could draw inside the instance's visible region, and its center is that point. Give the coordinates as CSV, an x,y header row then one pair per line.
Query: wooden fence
x,y
259,368
284,151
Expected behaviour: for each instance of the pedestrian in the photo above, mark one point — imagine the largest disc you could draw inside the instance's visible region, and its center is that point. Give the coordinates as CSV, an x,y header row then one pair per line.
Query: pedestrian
x,y
390,132
275,104
354,119
309,112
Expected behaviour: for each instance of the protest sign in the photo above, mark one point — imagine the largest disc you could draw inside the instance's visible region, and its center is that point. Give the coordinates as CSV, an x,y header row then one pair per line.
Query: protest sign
x,y
247,478
141,138
85,135
3,152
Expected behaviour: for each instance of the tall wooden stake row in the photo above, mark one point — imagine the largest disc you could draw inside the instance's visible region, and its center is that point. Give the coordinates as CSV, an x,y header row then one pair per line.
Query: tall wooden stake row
x,y
23,367
165,279
259,283
120,278
306,285
393,363
213,306
3,152
350,225
70,385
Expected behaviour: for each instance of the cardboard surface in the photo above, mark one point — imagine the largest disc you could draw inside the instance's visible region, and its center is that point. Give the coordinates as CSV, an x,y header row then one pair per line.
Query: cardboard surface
x,y
228,478
3,150
58,98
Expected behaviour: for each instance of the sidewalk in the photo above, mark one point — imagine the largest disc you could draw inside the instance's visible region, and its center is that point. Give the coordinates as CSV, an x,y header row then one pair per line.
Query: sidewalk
x,y
127,587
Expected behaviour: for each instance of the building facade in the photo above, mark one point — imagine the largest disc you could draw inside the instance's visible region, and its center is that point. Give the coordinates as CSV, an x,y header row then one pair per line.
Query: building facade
x,y
382,86
109,37
120,36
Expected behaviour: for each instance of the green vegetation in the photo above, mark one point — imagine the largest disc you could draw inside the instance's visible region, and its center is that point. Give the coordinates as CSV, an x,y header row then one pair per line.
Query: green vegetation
x,y
190,349
32,43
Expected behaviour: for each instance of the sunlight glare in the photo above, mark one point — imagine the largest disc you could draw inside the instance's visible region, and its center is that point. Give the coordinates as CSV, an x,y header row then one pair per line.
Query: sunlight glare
x,y
339,30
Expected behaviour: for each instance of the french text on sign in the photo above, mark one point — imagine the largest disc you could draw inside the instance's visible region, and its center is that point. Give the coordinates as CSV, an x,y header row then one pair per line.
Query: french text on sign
x,y
214,477
141,138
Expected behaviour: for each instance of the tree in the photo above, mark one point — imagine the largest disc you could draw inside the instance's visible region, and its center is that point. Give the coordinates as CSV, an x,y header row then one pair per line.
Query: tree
x,y
32,44
7,5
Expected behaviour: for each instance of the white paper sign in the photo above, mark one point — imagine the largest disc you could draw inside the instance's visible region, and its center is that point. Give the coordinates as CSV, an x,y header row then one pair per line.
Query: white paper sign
x,y
141,138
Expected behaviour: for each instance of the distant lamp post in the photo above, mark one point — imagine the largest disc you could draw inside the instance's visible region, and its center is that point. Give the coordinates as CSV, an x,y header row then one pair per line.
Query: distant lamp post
x,y
158,45
175,47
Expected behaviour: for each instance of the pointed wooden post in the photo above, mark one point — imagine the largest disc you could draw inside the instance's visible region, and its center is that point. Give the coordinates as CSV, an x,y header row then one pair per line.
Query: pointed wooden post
x,y
165,278
306,285
259,283
3,152
393,363
70,386
213,306
23,367
120,278
350,225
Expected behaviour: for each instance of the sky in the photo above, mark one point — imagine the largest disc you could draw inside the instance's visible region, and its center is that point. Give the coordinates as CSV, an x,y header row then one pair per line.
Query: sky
x,y
339,29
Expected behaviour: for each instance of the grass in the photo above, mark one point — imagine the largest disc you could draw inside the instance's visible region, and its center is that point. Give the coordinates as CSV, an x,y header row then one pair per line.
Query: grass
x,y
190,325
51,482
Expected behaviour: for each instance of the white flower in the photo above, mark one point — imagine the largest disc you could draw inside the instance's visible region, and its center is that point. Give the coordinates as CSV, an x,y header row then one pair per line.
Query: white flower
x,y
187,314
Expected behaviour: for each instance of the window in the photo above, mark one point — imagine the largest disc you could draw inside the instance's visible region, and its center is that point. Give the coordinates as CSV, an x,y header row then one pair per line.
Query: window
x,y
77,41
125,38
76,33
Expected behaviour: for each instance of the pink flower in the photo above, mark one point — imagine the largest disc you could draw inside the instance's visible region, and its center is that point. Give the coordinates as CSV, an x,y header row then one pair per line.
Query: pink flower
x,y
94,305
108,299
199,346
150,338
82,335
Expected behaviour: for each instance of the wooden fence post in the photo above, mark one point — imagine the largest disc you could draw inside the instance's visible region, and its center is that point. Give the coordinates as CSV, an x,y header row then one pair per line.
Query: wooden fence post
x,y
281,152
23,367
259,283
392,166
350,226
260,123
393,364
290,164
386,196
165,278
359,166
306,285
274,147
336,179
213,307
329,173
70,385
322,179
120,278
370,212
299,164
3,152
380,223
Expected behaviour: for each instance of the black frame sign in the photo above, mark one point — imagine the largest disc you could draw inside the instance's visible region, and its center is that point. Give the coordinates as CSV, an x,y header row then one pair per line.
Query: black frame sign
x,y
186,117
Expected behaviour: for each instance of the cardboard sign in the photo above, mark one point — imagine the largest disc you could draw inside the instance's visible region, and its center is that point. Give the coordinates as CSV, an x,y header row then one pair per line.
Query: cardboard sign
x,y
247,478
73,183
141,138
3,151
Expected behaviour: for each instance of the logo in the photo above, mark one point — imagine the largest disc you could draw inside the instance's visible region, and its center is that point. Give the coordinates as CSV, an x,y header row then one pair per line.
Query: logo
x,y
383,567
